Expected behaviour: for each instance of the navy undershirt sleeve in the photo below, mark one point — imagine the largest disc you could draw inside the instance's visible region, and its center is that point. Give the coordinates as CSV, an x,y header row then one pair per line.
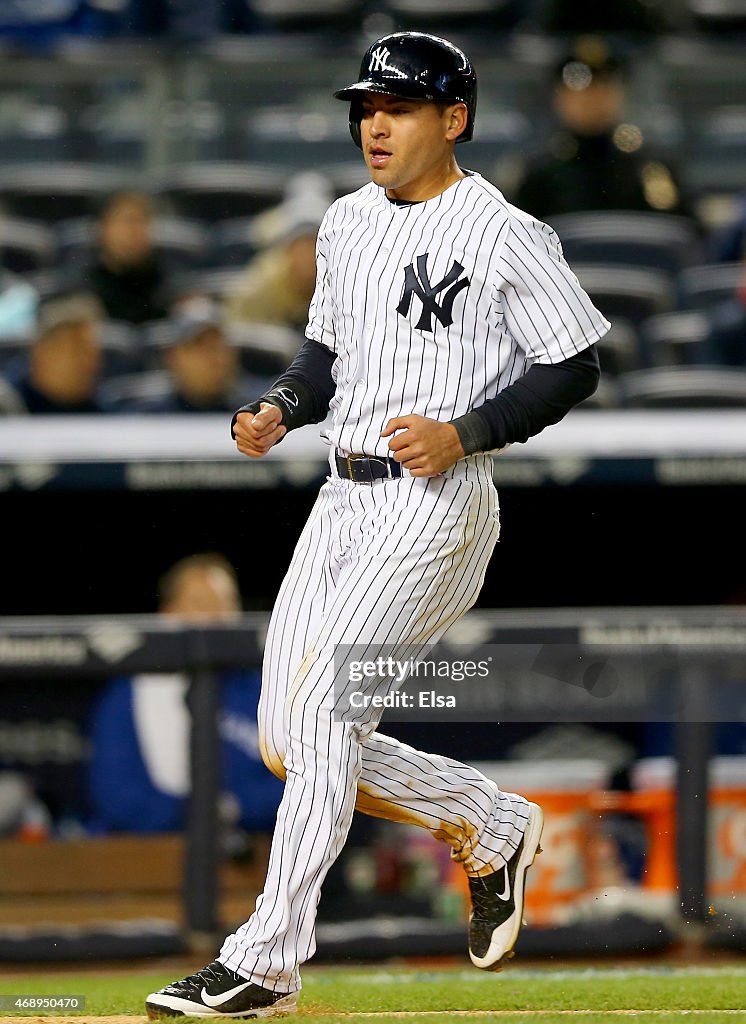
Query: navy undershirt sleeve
x,y
304,391
542,396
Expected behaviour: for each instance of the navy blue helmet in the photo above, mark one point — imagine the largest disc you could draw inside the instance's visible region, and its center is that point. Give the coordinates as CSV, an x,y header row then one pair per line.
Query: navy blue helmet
x,y
417,66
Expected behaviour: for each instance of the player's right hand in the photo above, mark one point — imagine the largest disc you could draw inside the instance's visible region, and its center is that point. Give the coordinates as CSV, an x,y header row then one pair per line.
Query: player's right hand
x,y
255,434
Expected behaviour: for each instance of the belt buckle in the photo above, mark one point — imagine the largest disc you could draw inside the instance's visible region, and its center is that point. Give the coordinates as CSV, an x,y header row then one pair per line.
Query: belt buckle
x,y
363,474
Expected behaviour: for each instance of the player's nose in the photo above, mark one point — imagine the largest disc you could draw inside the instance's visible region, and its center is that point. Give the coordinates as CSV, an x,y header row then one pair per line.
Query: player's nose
x,y
378,124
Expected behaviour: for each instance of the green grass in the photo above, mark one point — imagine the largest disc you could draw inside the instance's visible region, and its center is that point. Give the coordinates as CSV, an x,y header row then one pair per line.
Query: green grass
x,y
327,993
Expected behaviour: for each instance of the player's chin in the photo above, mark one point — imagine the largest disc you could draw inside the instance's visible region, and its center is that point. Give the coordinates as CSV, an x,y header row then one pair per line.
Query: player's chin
x,y
381,175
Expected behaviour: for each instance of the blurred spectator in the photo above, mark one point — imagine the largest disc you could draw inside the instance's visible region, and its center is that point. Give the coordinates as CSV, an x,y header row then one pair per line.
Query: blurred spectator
x,y
18,302
37,25
127,273
139,768
10,401
204,369
22,814
40,25
595,161
278,283
724,344
61,372
189,20
725,341
728,244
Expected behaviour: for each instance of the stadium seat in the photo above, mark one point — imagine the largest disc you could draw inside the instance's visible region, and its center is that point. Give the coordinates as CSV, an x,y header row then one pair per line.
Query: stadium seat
x,y
265,349
625,292
703,287
720,131
300,16
35,124
346,177
619,349
296,136
673,339
699,72
215,282
25,245
74,240
497,136
12,349
662,241
718,16
48,282
234,242
119,393
683,386
181,241
123,348
709,174
156,335
480,14
52,192
662,124
606,395
217,191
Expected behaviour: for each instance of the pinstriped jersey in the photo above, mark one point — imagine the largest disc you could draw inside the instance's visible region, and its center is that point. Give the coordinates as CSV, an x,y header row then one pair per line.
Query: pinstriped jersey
x,y
433,307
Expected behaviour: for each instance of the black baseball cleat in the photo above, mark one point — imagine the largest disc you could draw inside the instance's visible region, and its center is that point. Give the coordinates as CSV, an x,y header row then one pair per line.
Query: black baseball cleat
x,y
216,991
497,901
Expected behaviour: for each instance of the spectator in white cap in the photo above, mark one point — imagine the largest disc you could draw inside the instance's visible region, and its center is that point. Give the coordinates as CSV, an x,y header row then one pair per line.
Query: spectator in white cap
x,y
278,283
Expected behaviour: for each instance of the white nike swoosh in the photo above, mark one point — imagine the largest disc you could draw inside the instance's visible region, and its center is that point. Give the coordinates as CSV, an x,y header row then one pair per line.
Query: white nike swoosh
x,y
505,894
223,997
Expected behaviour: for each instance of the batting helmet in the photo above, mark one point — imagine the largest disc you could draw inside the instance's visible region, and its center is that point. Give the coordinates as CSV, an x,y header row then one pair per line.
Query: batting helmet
x,y
417,66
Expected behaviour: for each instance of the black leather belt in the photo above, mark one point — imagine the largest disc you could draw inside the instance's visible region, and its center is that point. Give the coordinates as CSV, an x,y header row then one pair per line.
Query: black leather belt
x,y
364,469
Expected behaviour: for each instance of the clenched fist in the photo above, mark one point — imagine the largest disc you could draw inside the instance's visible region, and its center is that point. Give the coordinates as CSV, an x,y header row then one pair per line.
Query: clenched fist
x,y
256,433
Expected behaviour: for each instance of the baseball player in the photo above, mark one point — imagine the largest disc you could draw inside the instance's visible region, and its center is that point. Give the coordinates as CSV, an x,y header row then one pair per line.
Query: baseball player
x,y
445,325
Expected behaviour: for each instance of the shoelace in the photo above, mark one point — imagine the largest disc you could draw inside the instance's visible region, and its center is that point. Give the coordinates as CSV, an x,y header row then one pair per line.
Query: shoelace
x,y
481,896
208,974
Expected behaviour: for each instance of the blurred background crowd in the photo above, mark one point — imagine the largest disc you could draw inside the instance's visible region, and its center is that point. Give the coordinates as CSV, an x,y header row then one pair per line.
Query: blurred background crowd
x,y
166,165
164,168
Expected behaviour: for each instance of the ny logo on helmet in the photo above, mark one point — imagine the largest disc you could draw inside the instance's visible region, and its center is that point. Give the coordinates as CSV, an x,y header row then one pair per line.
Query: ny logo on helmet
x,y
418,283
379,61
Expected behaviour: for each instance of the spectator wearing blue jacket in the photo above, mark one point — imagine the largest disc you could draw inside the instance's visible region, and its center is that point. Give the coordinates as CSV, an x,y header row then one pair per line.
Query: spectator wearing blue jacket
x,y
139,775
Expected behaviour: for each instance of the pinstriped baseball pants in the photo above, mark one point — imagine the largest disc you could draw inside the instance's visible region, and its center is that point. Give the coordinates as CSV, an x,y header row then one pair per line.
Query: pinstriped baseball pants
x,y
395,563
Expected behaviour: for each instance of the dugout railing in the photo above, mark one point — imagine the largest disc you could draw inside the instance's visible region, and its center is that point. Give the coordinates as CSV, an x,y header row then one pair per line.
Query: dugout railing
x,y
697,652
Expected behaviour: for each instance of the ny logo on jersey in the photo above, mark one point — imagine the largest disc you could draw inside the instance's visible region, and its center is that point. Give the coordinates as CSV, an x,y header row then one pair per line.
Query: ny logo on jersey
x,y
379,61
418,283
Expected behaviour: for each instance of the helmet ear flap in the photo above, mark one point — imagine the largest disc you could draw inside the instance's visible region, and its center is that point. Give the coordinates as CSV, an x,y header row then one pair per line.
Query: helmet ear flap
x,y
356,116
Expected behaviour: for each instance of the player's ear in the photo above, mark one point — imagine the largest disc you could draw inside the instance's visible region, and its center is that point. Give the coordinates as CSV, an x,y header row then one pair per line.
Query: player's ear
x,y
456,118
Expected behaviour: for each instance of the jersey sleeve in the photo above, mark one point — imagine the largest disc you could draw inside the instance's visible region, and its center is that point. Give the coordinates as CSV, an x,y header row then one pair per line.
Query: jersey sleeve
x,y
320,314
545,309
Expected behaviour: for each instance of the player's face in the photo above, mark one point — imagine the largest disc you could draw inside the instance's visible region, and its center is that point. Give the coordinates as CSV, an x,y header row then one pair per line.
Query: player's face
x,y
408,144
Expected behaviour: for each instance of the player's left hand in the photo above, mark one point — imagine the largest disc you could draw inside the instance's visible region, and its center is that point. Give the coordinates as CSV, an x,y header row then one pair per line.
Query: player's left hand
x,y
425,447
